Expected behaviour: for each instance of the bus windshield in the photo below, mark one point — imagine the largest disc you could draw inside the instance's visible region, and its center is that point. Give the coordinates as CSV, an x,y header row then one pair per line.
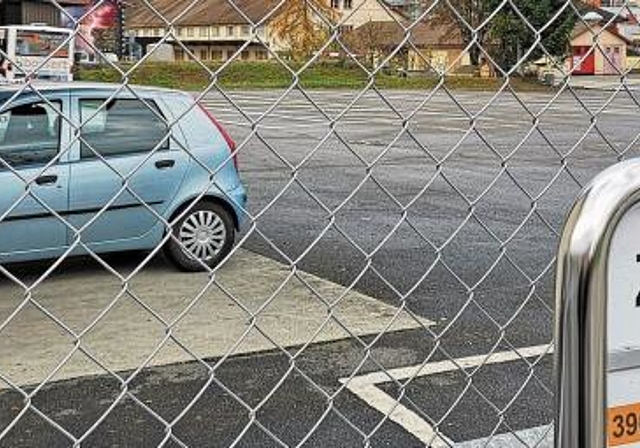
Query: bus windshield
x,y
31,51
41,44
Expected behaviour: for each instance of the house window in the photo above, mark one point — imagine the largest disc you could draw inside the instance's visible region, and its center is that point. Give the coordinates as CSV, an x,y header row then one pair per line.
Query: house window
x,y
216,55
191,32
262,55
335,4
230,30
215,31
348,4
203,31
157,32
246,30
204,54
179,53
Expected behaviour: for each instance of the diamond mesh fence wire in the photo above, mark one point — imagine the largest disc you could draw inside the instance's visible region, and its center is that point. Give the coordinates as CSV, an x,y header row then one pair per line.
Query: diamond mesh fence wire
x,y
295,222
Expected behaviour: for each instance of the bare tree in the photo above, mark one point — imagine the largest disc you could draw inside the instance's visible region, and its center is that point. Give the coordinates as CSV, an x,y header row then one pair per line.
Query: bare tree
x,y
371,41
465,16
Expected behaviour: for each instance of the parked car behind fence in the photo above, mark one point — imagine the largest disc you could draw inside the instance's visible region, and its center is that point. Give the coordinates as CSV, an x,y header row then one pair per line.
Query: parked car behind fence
x,y
86,167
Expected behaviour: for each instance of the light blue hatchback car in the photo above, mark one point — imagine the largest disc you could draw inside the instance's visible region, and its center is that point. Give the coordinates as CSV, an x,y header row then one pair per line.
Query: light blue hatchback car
x,y
86,166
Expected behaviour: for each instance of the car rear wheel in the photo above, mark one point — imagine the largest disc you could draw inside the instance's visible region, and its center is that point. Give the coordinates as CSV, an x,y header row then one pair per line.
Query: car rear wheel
x,y
203,237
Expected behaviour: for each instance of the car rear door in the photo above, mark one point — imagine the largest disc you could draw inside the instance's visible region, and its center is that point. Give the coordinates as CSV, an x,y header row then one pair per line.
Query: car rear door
x,y
34,177
127,168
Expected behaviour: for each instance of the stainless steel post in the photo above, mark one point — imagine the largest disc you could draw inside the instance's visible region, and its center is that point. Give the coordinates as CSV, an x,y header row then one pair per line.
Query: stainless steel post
x,y
581,306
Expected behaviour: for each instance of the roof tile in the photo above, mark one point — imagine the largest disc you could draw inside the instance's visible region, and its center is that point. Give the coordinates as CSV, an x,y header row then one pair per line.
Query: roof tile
x,y
203,12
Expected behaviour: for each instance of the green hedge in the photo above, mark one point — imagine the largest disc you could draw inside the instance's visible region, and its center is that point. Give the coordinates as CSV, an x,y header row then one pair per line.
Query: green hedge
x,y
266,75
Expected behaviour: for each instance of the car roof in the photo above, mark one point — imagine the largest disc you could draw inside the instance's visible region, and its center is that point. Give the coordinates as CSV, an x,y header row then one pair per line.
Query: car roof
x,y
44,86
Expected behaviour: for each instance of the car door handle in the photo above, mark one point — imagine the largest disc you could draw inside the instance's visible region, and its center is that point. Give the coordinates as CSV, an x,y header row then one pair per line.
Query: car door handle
x,y
165,164
47,180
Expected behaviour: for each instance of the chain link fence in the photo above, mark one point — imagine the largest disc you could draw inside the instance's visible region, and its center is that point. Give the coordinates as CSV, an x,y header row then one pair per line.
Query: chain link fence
x,y
406,168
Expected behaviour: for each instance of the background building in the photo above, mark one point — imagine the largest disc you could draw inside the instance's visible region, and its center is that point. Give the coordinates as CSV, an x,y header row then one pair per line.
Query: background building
x,y
608,58
355,13
16,12
434,47
212,30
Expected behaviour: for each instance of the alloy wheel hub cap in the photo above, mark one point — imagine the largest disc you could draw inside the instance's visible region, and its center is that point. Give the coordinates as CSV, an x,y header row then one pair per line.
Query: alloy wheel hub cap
x,y
203,235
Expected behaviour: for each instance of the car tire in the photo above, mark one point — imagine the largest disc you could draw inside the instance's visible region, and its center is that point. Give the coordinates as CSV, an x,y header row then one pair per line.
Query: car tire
x,y
202,238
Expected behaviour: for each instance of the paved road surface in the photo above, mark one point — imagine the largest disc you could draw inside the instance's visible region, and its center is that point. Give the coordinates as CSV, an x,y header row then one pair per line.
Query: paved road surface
x,y
399,199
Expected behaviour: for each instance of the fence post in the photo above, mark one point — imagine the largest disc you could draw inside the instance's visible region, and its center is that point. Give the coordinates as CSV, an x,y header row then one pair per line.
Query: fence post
x,y
584,297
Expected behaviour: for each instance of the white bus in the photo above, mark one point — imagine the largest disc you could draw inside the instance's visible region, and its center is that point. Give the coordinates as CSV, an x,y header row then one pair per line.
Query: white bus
x,y
28,47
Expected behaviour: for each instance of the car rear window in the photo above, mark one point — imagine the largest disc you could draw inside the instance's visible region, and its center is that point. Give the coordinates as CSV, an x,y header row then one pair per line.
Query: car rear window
x,y
121,126
30,133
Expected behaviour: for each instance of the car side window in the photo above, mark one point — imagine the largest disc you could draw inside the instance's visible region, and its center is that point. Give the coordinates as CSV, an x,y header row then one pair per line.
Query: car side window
x,y
121,126
30,133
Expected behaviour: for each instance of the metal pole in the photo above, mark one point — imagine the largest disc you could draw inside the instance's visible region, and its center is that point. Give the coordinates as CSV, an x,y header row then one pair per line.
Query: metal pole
x,y
121,29
581,306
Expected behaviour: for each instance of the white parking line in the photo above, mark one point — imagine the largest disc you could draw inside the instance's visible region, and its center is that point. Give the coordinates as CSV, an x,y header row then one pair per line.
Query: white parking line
x,y
366,387
540,437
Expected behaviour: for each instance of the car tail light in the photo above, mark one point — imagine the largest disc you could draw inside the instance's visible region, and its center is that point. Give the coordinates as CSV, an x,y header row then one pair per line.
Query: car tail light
x,y
227,138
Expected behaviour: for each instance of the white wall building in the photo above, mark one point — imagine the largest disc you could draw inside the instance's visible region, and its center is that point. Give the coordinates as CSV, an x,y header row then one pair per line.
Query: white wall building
x,y
355,13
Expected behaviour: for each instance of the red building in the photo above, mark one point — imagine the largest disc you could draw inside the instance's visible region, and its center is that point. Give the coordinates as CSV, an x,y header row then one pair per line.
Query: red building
x,y
609,57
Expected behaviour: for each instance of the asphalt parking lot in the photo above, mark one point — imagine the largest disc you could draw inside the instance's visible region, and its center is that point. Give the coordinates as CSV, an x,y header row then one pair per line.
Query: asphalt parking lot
x,y
433,220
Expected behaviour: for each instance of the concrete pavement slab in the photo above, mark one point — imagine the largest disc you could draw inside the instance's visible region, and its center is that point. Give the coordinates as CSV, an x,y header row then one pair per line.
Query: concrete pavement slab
x,y
165,317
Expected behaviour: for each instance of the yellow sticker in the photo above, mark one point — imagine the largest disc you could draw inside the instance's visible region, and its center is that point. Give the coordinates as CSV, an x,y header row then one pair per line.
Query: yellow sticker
x,y
623,426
